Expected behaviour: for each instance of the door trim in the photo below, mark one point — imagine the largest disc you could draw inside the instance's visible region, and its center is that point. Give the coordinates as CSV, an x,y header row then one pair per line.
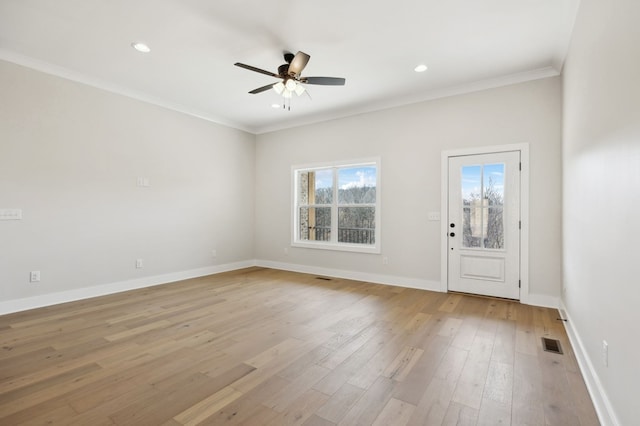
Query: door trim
x,y
524,210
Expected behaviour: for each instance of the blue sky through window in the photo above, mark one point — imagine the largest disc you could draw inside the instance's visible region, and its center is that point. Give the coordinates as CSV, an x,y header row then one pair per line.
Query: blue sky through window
x,y
347,178
357,177
324,178
471,180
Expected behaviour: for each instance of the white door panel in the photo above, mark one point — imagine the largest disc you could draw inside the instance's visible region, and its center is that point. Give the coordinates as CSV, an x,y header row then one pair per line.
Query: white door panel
x,y
484,218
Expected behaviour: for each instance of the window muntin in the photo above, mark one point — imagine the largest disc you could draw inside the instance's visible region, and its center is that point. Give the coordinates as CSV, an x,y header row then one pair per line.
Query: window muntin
x,y
337,207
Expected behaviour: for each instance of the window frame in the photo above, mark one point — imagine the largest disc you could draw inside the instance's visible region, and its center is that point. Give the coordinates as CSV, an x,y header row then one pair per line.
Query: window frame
x,y
334,244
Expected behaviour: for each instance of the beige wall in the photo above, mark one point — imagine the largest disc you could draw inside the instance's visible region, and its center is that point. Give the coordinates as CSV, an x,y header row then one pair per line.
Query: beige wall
x,y
601,165
70,156
409,140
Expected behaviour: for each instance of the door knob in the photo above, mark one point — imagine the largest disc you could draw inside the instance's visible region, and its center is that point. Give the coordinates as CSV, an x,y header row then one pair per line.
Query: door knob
x,y
453,234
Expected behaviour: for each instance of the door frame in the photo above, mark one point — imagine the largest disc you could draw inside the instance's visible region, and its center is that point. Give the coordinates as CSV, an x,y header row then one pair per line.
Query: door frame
x,y
524,210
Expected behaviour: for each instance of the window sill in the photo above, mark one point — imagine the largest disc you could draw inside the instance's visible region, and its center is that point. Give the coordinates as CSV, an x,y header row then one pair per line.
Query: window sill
x,y
356,248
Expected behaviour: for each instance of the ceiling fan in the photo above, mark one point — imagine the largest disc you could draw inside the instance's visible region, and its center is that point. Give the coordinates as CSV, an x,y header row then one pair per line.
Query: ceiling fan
x,y
290,74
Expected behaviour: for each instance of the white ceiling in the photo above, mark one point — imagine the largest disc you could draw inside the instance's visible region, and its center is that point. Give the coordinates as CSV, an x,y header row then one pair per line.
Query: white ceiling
x,y
467,45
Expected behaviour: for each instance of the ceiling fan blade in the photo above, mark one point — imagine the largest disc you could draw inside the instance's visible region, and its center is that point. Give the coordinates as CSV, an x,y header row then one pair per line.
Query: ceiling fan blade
x,y
298,63
324,81
261,71
262,89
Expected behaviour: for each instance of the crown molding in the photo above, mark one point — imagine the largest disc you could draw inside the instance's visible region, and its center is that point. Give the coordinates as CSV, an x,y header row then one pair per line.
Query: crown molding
x,y
424,96
476,86
68,74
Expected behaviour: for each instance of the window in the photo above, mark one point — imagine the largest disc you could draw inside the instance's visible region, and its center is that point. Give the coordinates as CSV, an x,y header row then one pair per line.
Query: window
x,y
337,206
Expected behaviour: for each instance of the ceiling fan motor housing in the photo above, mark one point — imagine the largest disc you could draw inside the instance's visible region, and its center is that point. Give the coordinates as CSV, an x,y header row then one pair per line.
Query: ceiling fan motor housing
x,y
283,70
290,73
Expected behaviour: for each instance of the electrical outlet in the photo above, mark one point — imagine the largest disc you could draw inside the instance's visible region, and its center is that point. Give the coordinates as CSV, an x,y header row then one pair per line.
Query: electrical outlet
x,y
139,264
605,353
34,276
385,260
286,250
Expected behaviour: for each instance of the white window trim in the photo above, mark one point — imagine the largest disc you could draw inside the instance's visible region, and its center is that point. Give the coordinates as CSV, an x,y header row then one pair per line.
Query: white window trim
x,y
323,245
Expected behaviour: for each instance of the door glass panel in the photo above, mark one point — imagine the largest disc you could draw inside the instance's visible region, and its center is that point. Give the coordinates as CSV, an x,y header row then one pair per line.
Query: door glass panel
x,y
495,229
471,206
482,206
493,182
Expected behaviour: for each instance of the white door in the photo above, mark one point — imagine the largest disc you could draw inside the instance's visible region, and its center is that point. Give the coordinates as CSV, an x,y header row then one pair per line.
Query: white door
x,y
484,224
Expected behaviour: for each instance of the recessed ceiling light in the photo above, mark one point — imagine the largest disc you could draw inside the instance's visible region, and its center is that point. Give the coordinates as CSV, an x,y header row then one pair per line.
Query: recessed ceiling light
x,y
140,47
420,68
275,105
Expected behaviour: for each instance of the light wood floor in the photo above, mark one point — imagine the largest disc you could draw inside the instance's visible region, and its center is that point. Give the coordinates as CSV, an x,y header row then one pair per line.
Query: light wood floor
x,y
266,347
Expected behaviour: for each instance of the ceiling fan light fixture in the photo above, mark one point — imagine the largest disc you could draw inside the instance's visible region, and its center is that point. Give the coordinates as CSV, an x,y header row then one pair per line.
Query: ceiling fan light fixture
x,y
291,85
299,89
290,78
278,87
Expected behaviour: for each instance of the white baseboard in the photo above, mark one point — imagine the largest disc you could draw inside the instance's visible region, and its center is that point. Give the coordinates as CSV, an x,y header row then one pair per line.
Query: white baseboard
x,y
17,305
542,300
354,275
601,402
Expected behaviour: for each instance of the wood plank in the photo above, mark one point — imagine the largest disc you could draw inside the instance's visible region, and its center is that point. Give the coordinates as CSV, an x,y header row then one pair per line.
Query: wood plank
x,y
528,401
208,406
340,403
417,322
301,384
461,415
246,406
497,396
367,408
300,409
395,413
432,406
316,420
450,327
451,303
473,377
413,386
401,366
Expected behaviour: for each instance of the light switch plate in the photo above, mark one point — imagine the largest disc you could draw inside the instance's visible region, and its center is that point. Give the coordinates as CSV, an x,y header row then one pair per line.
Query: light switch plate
x,y
433,215
10,214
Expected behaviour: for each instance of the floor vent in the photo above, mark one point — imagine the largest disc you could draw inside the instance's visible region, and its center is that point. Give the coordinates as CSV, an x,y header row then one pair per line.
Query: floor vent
x,y
323,278
551,345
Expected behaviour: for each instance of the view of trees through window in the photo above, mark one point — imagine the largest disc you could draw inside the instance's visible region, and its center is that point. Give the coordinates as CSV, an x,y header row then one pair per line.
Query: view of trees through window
x,y
483,204
346,193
